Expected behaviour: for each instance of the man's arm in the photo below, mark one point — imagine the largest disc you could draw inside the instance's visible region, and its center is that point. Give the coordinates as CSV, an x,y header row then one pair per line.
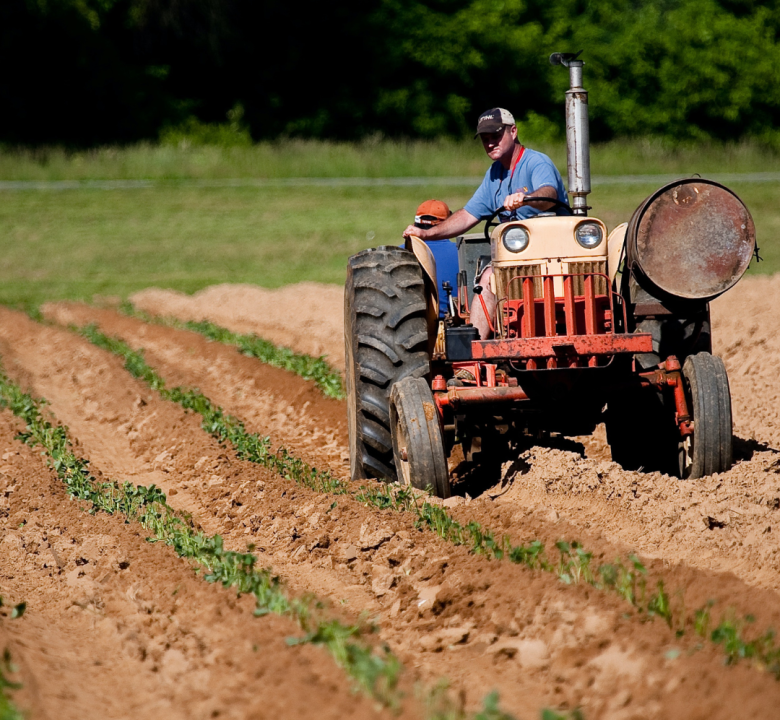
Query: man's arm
x,y
456,224
515,200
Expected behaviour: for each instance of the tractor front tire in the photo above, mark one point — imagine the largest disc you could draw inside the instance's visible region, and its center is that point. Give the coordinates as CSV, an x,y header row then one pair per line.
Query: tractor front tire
x,y
386,340
710,448
418,444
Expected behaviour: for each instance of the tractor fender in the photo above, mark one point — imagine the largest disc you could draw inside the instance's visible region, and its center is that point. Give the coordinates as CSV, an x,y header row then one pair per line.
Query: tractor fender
x,y
428,264
615,243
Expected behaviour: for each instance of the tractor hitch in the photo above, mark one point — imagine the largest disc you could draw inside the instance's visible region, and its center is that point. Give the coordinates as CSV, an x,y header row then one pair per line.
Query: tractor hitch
x,y
669,374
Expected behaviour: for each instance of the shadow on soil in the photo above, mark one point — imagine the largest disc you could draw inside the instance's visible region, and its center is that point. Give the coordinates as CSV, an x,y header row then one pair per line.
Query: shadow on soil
x,y
745,449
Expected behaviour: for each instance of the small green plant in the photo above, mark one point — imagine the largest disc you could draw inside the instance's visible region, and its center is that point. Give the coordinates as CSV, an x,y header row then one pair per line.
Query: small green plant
x,y
574,565
660,605
439,705
491,709
762,650
701,620
8,711
575,714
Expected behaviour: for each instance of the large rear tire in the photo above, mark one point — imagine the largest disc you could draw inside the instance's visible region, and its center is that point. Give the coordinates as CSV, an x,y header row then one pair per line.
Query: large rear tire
x,y
418,444
710,448
386,339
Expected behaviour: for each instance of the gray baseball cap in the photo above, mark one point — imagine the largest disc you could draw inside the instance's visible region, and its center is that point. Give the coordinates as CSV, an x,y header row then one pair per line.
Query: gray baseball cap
x,y
493,120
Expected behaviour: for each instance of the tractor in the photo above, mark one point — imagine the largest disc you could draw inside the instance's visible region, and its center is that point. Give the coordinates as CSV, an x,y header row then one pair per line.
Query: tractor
x,y
589,327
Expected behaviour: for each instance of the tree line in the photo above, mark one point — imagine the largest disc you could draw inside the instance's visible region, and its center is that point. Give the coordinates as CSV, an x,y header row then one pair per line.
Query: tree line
x,y
89,72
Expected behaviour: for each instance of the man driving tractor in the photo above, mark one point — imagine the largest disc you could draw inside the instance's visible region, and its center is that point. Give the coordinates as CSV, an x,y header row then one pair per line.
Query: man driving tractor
x,y
516,172
573,342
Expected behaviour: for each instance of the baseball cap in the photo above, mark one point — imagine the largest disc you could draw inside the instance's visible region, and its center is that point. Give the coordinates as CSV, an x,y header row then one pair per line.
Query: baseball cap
x,y
493,120
432,212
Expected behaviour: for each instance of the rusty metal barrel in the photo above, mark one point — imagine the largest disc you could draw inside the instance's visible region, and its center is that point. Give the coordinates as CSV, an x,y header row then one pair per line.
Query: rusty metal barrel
x,y
692,239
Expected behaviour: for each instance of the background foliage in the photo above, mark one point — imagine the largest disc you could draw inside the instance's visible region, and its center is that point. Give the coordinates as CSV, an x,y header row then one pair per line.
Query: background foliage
x,y
91,72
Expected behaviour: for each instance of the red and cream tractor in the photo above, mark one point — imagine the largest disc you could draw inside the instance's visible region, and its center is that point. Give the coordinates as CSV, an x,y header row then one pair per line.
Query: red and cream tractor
x,y
589,327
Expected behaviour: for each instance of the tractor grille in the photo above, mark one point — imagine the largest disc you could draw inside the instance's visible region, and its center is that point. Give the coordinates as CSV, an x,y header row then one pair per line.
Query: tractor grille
x,y
599,283
505,274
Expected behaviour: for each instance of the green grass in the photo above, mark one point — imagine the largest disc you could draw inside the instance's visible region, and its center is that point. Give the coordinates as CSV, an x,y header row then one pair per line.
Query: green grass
x,y
370,158
77,243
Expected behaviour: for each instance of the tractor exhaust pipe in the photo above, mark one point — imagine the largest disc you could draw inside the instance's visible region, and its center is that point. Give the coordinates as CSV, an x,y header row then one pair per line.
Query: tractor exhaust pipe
x,y
577,133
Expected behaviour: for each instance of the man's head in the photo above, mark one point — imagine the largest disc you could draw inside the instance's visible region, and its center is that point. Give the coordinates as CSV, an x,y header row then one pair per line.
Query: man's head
x,y
431,213
497,130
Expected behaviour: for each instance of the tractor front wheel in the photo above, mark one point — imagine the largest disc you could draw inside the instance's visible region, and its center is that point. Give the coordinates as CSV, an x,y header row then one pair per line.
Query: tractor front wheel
x,y
710,448
418,444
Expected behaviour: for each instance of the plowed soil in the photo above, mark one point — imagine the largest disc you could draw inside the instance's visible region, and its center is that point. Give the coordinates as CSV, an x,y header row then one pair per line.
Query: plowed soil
x,y
116,627
483,625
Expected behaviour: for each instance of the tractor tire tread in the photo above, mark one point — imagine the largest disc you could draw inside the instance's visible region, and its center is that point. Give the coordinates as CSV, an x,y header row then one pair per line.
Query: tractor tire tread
x,y
415,419
710,398
385,318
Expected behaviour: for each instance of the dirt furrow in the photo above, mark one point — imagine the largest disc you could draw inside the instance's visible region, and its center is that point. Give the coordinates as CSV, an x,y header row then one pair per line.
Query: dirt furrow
x,y
116,627
267,313
482,624
724,523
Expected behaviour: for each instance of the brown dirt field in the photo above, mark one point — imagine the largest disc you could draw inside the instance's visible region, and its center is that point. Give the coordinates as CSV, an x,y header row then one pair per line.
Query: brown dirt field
x,y
654,514
252,309
116,627
482,624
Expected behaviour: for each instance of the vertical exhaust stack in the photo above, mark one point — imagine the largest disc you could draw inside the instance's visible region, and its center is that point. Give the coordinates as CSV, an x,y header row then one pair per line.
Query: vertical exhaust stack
x,y
577,133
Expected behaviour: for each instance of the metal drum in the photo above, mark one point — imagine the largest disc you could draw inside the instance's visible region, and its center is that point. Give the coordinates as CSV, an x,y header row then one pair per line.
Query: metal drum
x,y
692,239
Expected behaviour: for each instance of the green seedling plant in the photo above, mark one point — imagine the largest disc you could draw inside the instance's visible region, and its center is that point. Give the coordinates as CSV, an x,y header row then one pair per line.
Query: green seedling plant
x,y
316,369
8,711
762,650
548,714
628,580
440,706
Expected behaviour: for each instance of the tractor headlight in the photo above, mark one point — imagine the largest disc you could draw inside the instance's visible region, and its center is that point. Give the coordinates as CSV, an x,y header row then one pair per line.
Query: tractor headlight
x,y
515,239
589,235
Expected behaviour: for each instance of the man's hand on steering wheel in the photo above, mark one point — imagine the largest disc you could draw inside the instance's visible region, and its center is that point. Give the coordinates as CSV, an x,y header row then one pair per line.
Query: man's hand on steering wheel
x,y
492,220
514,201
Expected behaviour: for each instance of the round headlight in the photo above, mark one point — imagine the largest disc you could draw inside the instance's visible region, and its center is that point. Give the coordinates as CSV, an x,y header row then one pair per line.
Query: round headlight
x,y
515,239
589,235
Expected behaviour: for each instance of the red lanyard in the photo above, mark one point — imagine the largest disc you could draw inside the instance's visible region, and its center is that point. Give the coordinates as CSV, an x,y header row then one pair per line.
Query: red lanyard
x,y
515,163
511,175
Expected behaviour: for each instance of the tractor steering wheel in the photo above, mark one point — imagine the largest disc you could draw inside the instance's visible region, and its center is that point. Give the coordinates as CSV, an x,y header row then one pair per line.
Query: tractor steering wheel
x,y
491,221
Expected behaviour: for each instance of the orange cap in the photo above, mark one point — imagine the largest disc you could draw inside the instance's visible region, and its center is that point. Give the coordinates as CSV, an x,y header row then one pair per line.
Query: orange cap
x,y
432,209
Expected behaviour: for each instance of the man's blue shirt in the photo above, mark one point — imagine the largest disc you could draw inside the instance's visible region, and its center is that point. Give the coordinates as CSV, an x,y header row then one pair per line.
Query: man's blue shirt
x,y
534,170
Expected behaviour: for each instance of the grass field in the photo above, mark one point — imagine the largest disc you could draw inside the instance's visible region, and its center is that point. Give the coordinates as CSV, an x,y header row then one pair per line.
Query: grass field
x,y
371,158
78,243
